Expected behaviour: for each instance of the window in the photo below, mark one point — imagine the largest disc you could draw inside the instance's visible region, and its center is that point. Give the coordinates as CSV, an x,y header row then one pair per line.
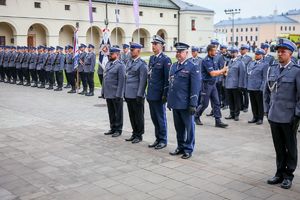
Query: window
x,y
67,7
294,28
242,29
2,40
290,28
141,13
237,30
246,29
231,30
246,38
3,2
175,16
237,38
256,38
241,38
251,38
251,29
256,29
161,15
193,25
226,30
231,38
37,4
281,28
94,9
285,28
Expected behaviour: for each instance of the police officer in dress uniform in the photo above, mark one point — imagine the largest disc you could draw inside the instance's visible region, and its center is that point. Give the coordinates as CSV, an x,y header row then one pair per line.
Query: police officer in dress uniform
x,y
125,55
39,66
2,74
49,66
12,65
210,71
234,82
157,91
70,69
32,66
25,67
89,69
267,58
59,63
135,85
82,56
281,100
196,60
246,59
222,61
7,55
185,79
20,54
255,83
68,85
113,91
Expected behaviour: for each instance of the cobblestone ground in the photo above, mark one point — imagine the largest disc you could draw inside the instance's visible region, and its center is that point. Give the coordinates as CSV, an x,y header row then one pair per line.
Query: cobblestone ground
x,y
52,147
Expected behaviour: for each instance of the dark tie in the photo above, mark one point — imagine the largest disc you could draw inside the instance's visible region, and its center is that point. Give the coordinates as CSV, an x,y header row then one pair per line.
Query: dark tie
x,y
155,57
281,69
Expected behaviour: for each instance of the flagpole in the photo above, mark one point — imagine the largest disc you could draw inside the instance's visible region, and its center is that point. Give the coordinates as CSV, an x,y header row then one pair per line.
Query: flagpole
x,y
116,10
91,33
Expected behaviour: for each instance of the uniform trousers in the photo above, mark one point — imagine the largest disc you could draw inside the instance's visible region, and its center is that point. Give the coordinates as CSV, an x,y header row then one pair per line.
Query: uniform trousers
x,y
136,116
115,113
234,101
257,105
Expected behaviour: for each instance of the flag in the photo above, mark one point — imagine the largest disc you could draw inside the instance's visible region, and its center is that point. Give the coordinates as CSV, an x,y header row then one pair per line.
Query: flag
x,y
105,45
91,11
136,12
76,50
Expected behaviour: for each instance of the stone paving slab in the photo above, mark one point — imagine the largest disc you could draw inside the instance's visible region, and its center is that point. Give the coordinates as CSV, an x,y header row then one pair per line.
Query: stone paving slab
x,y
52,147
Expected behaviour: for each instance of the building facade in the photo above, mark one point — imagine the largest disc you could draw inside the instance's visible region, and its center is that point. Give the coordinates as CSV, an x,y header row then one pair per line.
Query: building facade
x,y
53,22
259,29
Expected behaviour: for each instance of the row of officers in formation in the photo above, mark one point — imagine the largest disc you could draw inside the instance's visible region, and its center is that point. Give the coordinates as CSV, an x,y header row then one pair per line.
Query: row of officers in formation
x,y
225,77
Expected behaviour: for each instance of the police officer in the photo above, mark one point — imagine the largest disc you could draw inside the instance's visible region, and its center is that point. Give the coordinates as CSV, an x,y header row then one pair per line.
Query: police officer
x,y
281,100
32,66
103,59
68,85
12,65
70,71
222,61
25,66
40,65
49,67
234,82
210,71
6,60
135,85
267,58
246,59
196,60
59,62
19,57
113,91
125,55
82,56
2,74
255,83
157,91
89,68
183,95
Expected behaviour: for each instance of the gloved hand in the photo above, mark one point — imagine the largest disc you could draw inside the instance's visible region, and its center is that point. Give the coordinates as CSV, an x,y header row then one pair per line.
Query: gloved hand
x,y
192,110
139,100
164,99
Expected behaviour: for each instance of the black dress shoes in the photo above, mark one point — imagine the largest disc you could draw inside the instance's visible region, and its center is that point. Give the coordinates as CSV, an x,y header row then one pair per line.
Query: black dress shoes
x,y
48,88
89,94
275,180
116,134
253,120
286,184
198,121
221,125
211,114
160,146
236,118
259,122
72,91
176,152
186,155
110,132
229,117
83,92
137,140
130,139
58,89
154,144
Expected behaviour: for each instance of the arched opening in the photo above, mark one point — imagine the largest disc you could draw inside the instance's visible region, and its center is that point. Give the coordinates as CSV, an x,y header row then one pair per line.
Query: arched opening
x,y
163,34
37,35
117,36
7,34
142,36
93,36
66,35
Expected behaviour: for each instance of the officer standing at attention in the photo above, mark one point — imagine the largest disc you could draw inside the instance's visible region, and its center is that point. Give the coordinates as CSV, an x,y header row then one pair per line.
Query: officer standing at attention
x,y
255,83
89,69
70,69
6,58
185,79
2,75
25,67
267,58
68,85
12,65
281,100
59,63
80,67
157,91
196,60
49,67
210,72
246,59
234,82
19,65
135,85
113,91
125,55
32,66
40,66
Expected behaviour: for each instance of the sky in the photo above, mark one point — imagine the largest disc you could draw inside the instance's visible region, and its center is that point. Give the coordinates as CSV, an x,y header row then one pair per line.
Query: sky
x,y
248,8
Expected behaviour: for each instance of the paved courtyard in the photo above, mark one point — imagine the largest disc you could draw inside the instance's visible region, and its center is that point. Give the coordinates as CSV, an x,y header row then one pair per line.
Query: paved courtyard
x,y
52,147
